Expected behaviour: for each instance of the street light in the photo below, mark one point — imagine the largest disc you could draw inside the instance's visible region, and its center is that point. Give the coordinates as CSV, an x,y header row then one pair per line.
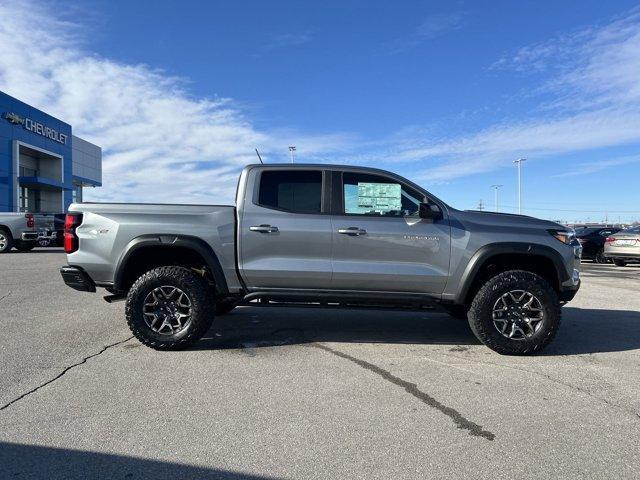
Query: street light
x,y
292,152
519,163
496,188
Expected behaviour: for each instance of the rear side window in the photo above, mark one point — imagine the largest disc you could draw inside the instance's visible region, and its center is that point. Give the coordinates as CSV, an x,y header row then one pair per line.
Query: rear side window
x,y
291,190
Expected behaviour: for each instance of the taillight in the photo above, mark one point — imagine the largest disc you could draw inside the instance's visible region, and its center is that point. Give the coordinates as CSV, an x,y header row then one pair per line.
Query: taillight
x,y
609,240
30,220
71,222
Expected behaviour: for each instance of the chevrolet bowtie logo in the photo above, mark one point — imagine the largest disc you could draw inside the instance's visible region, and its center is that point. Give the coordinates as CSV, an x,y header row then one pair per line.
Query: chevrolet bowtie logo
x,y
14,118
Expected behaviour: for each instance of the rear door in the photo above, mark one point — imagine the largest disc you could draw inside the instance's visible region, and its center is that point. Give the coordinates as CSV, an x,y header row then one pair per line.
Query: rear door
x,y
379,241
285,234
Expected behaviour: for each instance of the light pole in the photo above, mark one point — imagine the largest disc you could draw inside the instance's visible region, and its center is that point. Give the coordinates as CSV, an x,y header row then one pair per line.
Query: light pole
x,y
496,188
292,152
519,163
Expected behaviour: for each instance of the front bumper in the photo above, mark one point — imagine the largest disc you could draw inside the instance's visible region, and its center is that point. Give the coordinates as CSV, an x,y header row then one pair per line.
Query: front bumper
x,y
634,257
569,288
77,279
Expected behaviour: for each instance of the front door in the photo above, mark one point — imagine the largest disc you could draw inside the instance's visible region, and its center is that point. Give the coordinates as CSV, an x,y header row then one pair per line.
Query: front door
x,y
381,244
285,237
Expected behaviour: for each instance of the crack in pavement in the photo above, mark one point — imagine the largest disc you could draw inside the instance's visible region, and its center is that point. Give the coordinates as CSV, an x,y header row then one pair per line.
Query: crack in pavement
x,y
4,296
411,388
556,381
84,360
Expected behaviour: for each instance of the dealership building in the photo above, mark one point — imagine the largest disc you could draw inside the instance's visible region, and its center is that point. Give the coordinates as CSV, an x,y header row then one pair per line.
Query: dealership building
x,y
43,166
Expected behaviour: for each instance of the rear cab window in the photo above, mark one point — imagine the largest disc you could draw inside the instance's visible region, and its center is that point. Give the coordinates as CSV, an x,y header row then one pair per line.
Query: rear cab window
x,y
296,191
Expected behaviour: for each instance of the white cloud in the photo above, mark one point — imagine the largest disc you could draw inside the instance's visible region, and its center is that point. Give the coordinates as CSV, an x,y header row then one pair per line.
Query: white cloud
x,y
433,26
160,144
288,40
589,99
588,168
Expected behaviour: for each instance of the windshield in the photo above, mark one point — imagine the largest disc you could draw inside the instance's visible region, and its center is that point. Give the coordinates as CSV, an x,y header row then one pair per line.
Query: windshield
x,y
631,230
583,232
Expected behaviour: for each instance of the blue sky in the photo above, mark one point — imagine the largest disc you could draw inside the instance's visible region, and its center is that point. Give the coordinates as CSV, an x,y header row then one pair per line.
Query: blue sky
x,y
445,93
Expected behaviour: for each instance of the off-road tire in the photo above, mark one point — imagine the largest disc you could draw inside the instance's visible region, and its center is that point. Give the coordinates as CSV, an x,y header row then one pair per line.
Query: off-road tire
x,y
200,294
459,312
222,308
8,243
23,246
619,263
481,312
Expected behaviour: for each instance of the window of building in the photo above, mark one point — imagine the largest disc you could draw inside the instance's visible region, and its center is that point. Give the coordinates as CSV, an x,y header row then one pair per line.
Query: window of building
x,y
28,172
294,191
366,194
24,199
76,193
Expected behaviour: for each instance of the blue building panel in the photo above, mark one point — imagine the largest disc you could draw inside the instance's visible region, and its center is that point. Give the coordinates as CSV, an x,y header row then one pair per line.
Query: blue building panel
x,y
43,141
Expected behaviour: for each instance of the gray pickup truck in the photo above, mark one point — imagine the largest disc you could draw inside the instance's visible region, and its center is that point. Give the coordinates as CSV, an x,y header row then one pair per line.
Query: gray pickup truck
x,y
330,236
17,230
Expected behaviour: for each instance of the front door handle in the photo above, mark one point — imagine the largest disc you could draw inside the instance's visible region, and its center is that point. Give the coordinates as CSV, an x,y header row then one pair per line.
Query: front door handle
x,y
354,231
263,229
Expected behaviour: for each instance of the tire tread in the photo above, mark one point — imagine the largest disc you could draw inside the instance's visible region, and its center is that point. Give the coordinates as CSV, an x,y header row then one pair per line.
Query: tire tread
x,y
513,279
199,291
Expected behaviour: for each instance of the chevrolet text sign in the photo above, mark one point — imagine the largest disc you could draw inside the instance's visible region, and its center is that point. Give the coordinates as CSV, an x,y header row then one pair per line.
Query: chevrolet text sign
x,y
36,127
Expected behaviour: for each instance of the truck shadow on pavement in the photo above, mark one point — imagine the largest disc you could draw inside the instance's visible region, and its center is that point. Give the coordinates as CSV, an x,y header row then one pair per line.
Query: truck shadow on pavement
x,y
583,330
36,462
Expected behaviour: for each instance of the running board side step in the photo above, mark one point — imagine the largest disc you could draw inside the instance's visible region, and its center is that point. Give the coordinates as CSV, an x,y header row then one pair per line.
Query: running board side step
x,y
340,300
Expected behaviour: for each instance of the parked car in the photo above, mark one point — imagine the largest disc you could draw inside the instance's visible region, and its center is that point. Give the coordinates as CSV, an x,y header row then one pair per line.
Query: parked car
x,y
592,240
17,230
324,235
624,246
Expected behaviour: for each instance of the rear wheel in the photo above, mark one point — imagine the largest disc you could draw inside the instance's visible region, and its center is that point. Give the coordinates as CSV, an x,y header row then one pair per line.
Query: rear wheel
x,y
515,313
600,258
170,308
6,240
23,246
619,263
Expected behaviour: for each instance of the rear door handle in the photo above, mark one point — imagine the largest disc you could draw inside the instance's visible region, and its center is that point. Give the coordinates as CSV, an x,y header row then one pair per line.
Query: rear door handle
x,y
263,229
354,231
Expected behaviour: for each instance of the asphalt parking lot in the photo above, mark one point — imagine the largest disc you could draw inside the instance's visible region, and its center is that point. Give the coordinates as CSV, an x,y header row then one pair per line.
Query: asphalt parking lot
x,y
308,393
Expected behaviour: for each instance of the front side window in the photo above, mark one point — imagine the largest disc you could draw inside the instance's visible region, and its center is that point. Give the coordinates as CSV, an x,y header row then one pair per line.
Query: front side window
x,y
366,194
291,190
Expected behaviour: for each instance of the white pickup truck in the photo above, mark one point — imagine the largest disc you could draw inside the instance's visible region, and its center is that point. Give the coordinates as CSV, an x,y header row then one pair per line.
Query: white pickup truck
x,y
17,230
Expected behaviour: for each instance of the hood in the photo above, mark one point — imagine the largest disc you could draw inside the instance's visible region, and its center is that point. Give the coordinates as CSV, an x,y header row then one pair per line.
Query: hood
x,y
505,219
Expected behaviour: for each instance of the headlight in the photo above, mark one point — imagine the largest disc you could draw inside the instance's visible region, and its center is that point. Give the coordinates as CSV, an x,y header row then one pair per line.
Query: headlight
x,y
565,236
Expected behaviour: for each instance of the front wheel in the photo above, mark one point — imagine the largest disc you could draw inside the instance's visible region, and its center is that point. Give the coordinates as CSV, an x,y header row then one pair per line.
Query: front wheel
x,y
170,308
619,263
515,313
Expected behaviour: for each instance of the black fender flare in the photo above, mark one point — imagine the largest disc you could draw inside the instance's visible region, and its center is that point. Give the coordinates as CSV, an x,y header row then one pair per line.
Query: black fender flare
x,y
172,241
493,249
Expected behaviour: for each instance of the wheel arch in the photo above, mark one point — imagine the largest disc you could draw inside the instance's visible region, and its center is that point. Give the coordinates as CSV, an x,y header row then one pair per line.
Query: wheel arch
x,y
149,251
496,257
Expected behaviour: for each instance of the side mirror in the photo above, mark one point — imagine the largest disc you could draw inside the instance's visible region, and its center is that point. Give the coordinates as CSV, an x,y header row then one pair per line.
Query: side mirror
x,y
430,210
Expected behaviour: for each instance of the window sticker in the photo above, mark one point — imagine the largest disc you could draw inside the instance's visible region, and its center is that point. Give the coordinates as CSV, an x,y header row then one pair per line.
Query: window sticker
x,y
380,198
